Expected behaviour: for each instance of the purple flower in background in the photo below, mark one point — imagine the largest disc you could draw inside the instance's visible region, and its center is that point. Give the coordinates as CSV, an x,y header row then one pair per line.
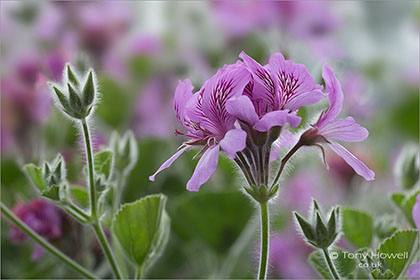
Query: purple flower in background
x,y
241,17
100,24
147,45
207,122
274,95
151,114
357,102
302,187
288,256
328,127
413,272
416,212
41,216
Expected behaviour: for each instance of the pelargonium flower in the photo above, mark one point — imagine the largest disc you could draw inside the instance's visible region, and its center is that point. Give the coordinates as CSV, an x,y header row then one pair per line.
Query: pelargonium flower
x,y
41,216
275,94
205,118
328,128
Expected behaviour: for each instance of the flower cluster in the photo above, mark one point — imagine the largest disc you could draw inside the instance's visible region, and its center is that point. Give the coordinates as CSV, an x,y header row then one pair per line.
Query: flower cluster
x,y
42,217
243,109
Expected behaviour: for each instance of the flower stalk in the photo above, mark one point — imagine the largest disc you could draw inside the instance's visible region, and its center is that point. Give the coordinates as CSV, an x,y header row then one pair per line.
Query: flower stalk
x,y
93,205
262,273
330,264
44,243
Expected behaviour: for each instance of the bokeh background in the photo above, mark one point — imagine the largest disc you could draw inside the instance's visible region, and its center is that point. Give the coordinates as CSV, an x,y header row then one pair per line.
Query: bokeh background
x,y
140,50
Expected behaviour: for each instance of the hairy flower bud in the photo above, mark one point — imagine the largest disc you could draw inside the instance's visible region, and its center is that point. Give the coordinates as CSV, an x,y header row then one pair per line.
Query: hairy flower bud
x,y
316,232
125,151
76,103
407,167
49,179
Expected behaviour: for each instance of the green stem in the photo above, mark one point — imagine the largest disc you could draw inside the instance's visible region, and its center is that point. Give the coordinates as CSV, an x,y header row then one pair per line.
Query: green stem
x,y
138,273
44,243
75,215
89,157
107,249
264,241
93,205
330,264
284,161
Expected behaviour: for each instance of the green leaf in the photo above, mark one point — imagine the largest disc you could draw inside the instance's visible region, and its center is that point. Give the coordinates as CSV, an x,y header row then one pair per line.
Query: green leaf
x,y
396,250
345,266
79,195
142,229
357,227
406,204
35,173
378,274
103,163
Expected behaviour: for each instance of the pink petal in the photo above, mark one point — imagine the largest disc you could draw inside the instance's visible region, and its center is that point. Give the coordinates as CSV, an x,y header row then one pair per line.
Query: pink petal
x,y
307,98
183,94
242,108
264,86
204,169
286,139
345,130
234,141
293,81
334,93
228,82
168,163
277,118
358,166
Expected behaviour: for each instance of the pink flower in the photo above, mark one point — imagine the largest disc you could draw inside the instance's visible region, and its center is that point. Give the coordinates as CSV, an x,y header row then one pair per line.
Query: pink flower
x,y
274,95
413,272
328,129
205,118
41,216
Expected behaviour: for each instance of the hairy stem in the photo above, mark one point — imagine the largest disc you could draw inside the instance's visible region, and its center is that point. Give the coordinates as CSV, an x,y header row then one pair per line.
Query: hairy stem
x,y
107,249
93,205
284,161
44,243
330,264
89,158
262,274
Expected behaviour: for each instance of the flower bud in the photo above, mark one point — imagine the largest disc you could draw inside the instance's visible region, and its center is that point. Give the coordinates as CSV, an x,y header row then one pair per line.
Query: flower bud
x,y
49,179
407,167
316,232
125,151
76,103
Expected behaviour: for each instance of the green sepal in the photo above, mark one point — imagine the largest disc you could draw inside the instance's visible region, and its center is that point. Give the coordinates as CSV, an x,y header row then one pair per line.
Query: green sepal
x,y
35,173
88,93
71,76
75,103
